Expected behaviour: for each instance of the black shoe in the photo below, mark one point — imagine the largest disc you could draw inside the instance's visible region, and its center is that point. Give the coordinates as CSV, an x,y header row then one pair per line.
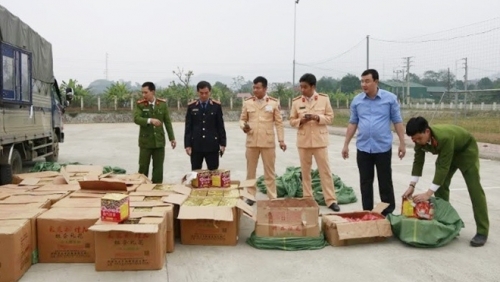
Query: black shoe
x,y
250,202
478,240
334,207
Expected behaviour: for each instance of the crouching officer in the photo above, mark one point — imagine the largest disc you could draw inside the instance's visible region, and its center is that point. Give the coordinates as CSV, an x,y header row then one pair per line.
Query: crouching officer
x,y
456,149
151,114
204,135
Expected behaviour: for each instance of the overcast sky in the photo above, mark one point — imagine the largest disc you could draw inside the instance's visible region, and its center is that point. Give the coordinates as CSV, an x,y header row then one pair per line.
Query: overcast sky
x,y
148,39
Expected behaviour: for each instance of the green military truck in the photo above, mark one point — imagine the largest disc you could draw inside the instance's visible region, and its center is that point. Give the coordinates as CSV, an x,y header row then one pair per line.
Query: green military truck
x,y
31,105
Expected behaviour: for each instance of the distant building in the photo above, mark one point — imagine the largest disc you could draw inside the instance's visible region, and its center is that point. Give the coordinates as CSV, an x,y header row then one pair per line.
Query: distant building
x,y
417,90
243,95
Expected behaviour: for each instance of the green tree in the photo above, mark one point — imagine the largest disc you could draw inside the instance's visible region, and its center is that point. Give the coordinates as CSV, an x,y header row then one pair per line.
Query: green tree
x,y
78,89
187,92
327,84
350,83
221,92
485,83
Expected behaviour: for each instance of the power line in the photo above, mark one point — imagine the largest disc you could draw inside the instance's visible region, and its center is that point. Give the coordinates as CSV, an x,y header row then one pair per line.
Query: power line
x,y
438,40
337,56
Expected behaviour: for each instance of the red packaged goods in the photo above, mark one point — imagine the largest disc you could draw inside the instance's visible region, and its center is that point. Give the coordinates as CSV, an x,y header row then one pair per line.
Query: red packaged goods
x,y
365,217
203,179
422,210
221,178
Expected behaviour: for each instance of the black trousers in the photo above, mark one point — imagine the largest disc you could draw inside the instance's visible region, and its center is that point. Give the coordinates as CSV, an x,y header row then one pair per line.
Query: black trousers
x,y
211,158
366,163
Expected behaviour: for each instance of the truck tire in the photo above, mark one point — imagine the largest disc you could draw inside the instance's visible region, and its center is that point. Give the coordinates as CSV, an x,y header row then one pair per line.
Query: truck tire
x,y
7,171
55,150
5,174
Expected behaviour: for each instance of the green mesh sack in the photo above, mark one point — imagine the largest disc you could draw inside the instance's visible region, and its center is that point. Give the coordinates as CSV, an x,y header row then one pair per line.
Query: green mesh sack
x,y
441,230
287,243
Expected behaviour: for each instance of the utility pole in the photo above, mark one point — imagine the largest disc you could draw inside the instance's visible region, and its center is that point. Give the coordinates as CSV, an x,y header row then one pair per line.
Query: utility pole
x,y
367,51
294,41
408,64
466,67
106,70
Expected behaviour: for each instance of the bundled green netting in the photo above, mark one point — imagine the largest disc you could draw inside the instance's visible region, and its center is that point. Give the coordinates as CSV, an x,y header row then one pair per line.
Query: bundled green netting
x,y
290,185
288,243
420,233
50,166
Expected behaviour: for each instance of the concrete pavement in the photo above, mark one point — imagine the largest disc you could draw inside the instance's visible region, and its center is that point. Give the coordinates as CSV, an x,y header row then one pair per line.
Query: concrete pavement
x,y
116,145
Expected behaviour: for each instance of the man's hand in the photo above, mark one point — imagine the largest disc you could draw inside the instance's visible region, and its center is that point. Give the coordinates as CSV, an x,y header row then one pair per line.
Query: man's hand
x,y
246,128
315,118
222,149
345,152
303,120
409,191
423,197
283,145
188,151
173,144
155,122
401,151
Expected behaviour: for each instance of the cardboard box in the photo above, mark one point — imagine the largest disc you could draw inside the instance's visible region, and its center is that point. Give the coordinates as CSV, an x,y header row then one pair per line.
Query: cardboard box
x,y
139,245
35,197
4,196
31,215
45,177
15,247
287,217
15,188
203,179
64,236
210,225
25,206
136,207
78,203
341,232
58,187
221,178
115,207
155,187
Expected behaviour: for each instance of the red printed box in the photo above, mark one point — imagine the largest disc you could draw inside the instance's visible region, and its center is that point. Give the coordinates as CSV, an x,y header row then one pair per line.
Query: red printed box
x,y
422,210
203,179
115,207
221,178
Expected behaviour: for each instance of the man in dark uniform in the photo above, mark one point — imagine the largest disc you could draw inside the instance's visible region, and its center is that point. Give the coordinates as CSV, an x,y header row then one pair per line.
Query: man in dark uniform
x,y
205,135
456,149
150,114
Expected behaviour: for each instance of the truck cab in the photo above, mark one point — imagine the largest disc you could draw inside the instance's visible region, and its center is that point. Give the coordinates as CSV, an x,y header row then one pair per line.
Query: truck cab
x,y
31,105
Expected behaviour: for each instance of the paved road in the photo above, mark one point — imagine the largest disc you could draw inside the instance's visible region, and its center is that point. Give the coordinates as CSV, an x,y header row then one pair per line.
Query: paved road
x,y
116,145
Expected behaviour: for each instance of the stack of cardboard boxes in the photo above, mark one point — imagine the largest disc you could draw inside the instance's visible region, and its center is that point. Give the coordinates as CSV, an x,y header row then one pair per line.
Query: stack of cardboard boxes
x,y
52,217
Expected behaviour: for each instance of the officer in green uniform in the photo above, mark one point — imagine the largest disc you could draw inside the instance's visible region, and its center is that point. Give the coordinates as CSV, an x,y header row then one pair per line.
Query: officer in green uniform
x,y
151,114
456,149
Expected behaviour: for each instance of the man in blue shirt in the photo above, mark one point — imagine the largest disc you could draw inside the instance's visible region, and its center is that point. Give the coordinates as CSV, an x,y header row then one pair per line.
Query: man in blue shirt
x,y
372,113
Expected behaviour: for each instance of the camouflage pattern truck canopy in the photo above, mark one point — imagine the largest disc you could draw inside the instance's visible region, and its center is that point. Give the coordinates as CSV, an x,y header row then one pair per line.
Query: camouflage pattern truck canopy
x,y
15,32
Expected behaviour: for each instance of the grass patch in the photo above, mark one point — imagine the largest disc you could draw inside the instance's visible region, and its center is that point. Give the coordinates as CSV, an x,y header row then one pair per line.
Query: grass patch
x,y
484,129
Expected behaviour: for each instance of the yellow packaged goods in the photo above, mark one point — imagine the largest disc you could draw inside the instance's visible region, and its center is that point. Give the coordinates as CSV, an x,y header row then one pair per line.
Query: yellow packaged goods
x,y
232,193
215,193
203,179
192,201
152,198
221,178
115,207
142,209
422,210
228,202
199,193
163,187
211,202
234,186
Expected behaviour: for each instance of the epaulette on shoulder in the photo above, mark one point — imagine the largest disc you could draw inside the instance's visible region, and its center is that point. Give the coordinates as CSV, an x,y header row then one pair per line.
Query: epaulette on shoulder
x,y
272,98
323,94
192,102
216,102
298,97
142,101
161,100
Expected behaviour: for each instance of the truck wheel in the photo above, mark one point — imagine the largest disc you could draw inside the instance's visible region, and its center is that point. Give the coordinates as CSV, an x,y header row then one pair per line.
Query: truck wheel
x,y
5,174
16,164
55,150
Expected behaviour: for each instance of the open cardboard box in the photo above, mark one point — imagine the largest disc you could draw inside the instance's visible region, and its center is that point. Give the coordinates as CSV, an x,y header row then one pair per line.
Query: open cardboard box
x,y
44,176
139,246
287,217
340,232
35,197
211,225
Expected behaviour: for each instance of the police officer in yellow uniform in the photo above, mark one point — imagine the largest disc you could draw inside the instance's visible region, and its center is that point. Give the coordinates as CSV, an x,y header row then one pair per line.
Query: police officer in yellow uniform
x,y
151,113
259,116
205,134
311,113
